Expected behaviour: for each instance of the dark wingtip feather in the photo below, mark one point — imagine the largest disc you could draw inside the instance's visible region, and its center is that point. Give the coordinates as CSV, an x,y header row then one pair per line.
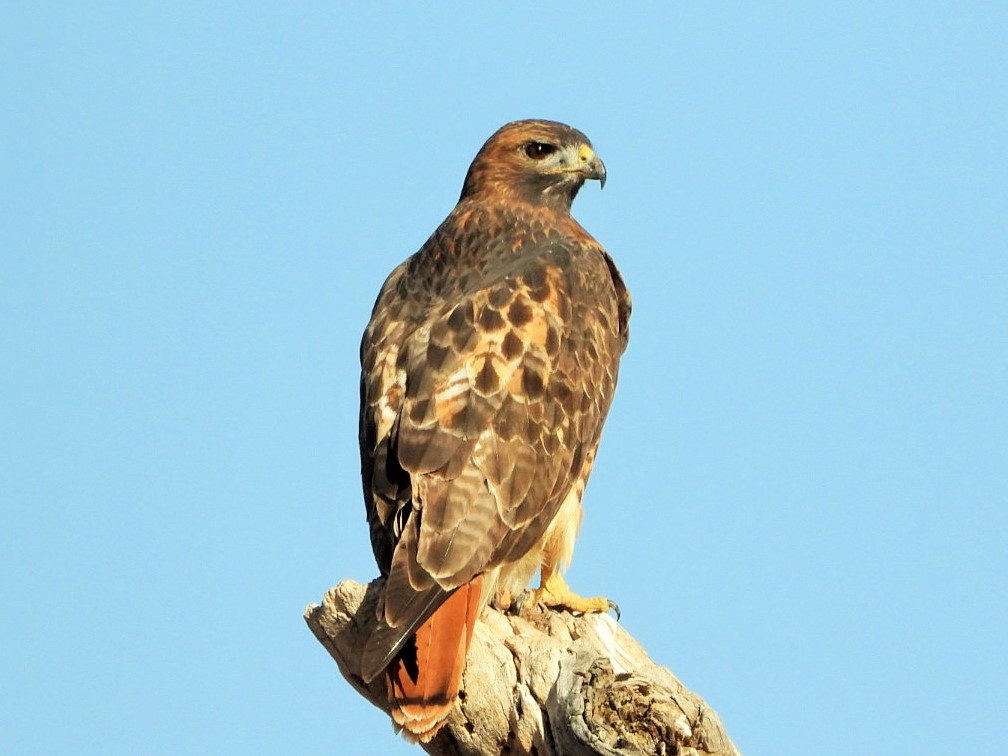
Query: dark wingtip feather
x,y
387,641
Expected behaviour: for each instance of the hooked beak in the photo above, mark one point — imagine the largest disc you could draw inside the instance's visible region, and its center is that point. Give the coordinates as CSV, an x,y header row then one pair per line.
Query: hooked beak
x,y
591,165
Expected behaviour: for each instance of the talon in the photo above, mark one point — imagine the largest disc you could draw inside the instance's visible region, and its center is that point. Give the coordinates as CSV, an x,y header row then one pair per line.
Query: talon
x,y
554,593
518,603
523,598
614,607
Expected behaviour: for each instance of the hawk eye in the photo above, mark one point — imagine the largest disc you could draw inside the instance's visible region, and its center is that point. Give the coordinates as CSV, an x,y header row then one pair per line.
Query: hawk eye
x,y
539,150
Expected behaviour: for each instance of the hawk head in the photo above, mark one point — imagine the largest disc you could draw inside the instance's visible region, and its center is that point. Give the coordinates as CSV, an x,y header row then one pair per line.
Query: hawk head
x,y
542,163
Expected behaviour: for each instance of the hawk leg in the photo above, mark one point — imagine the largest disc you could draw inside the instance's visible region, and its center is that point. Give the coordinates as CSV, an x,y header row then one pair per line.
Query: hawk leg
x,y
553,592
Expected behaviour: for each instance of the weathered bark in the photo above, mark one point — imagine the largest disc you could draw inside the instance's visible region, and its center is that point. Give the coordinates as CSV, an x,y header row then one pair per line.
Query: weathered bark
x,y
546,683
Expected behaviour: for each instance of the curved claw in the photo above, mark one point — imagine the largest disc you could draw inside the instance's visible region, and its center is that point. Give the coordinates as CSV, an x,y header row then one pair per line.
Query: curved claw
x,y
519,603
554,593
614,607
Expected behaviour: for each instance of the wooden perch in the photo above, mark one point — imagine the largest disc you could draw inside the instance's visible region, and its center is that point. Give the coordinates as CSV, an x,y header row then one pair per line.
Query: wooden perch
x,y
546,683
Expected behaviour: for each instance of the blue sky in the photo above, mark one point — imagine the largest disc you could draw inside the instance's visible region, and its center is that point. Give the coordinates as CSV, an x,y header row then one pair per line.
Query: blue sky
x,y
800,499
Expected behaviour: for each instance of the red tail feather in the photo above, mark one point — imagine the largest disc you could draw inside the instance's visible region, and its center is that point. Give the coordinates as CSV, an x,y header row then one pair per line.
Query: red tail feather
x,y
424,679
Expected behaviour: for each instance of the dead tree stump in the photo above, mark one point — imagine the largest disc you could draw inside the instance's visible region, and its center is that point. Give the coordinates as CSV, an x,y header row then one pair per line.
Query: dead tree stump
x,y
544,682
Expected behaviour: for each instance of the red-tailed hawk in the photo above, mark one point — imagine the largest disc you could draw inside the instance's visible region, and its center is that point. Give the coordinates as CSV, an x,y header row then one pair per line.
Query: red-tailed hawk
x,y
488,368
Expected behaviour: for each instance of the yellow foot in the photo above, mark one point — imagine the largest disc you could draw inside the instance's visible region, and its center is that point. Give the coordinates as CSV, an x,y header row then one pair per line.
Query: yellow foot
x,y
503,600
554,593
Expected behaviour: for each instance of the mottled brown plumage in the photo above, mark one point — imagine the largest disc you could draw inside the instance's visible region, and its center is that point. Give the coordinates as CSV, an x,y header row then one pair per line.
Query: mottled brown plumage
x,y
488,368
